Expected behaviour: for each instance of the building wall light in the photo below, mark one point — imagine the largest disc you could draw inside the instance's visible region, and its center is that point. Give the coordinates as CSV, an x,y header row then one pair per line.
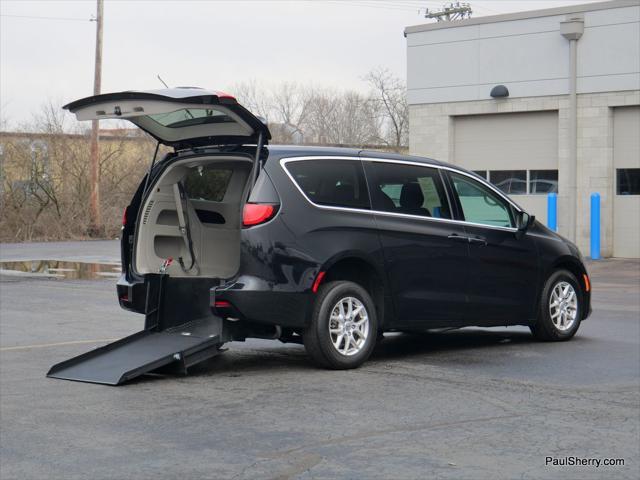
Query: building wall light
x,y
499,91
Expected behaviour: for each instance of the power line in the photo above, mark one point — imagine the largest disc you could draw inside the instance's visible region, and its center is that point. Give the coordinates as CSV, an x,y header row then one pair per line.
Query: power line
x,y
34,17
373,4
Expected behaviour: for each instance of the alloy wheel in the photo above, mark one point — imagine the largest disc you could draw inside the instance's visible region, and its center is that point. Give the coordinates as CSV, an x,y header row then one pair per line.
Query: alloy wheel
x,y
349,326
563,306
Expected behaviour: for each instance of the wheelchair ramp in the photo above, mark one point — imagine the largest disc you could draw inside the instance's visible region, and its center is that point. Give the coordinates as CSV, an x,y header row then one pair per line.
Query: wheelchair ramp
x,y
144,352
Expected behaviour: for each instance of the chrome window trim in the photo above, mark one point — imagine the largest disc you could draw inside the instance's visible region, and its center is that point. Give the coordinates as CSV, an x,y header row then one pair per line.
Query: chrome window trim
x,y
285,160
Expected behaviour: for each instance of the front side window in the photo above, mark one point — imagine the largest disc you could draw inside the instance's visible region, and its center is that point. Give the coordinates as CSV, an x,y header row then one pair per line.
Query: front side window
x,y
628,181
408,189
509,181
480,204
338,183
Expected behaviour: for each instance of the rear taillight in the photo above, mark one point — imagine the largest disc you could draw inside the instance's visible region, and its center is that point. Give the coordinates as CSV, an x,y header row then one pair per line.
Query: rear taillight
x,y
124,216
257,213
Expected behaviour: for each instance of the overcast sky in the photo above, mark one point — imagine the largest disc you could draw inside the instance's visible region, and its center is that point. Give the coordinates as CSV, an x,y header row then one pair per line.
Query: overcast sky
x,y
203,43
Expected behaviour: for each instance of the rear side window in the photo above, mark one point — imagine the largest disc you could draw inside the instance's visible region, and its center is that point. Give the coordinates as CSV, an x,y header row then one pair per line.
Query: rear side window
x,y
207,183
338,183
408,189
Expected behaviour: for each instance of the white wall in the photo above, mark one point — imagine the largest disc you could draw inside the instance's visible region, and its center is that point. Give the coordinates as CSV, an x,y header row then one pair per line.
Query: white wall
x,y
433,135
626,208
530,56
509,141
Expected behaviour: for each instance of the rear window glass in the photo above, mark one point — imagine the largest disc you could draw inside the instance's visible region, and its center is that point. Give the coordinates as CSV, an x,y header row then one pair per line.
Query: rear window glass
x,y
331,182
209,184
186,117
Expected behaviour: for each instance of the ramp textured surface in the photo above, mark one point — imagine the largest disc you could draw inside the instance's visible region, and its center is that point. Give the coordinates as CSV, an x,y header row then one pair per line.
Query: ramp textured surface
x,y
133,356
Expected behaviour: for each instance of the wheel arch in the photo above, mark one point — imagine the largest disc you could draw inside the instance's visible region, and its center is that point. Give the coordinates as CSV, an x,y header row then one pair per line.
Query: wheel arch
x,y
363,271
572,265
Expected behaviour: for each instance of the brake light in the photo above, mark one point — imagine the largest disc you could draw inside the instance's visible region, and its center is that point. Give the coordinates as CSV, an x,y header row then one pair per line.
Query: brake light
x,y
257,213
124,216
224,95
221,304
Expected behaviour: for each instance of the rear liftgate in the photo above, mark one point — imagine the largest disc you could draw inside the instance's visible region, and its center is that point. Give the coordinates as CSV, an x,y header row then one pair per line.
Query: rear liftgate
x,y
162,347
180,330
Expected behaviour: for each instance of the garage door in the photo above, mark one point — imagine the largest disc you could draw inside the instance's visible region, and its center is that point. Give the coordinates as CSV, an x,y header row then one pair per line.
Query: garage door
x,y
516,151
626,203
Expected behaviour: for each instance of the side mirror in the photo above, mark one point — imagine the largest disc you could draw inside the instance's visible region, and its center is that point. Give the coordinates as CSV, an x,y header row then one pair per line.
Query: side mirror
x,y
524,221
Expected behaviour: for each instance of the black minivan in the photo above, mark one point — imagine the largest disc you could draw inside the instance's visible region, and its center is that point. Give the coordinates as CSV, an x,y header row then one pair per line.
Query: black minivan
x,y
325,246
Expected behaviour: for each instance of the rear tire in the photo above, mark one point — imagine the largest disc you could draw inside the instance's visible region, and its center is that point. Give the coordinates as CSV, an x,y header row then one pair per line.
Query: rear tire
x,y
343,328
560,309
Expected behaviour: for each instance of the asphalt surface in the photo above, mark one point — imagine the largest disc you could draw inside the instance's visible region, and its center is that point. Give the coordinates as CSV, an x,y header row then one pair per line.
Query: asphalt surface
x,y
467,404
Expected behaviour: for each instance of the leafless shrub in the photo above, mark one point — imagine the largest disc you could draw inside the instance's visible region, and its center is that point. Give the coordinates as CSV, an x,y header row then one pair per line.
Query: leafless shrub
x,y
44,167
45,179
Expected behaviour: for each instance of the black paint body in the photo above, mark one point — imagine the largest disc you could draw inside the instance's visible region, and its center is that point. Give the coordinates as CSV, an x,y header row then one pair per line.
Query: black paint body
x,y
419,276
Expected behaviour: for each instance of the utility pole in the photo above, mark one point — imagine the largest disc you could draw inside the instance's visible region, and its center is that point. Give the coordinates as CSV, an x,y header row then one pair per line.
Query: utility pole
x,y
449,12
572,29
95,227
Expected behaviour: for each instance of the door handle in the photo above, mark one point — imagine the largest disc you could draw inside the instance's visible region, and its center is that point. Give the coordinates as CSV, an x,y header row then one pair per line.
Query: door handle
x,y
459,238
480,241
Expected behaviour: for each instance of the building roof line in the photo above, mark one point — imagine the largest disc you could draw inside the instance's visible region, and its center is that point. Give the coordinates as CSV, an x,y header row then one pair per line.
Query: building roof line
x,y
506,17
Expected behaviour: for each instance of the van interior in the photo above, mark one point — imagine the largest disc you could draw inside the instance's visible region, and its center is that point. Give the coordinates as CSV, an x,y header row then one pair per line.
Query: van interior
x,y
193,216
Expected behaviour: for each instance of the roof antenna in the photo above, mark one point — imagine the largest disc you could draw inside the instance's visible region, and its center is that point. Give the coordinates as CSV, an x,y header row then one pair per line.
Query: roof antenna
x,y
163,82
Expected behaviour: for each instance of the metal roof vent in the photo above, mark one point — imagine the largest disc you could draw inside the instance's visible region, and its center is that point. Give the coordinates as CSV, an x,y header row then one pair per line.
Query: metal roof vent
x,y
499,91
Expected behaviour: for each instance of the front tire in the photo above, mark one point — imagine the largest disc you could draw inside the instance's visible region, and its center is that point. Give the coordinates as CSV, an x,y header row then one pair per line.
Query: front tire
x,y
560,309
343,328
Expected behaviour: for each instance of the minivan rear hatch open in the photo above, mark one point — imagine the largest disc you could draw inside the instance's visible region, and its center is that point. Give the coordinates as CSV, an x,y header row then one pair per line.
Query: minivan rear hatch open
x,y
178,117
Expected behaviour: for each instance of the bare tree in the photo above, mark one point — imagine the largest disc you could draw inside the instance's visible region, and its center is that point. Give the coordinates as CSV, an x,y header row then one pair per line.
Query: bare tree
x,y
45,166
389,95
45,178
291,104
252,96
345,118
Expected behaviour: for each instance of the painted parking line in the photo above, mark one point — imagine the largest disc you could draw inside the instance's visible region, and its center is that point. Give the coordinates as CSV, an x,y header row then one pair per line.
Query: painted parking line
x,y
59,344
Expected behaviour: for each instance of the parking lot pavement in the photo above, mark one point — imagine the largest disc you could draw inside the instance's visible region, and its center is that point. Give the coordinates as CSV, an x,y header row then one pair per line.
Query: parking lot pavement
x,y
467,404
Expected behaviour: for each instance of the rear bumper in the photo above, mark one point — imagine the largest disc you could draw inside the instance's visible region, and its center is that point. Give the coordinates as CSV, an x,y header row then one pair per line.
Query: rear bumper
x,y
132,295
257,302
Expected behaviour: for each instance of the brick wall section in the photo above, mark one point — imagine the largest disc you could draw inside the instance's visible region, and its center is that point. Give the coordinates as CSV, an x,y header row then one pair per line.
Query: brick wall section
x,y
432,135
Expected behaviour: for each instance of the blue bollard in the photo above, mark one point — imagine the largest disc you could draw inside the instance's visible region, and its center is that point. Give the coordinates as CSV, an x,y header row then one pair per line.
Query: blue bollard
x,y
595,226
552,211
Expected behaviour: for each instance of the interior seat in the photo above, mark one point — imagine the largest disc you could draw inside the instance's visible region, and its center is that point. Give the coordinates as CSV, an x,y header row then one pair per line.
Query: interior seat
x,y
411,200
344,194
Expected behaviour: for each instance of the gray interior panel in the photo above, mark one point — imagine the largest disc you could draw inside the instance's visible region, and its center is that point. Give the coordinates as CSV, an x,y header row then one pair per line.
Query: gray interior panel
x,y
168,217
216,245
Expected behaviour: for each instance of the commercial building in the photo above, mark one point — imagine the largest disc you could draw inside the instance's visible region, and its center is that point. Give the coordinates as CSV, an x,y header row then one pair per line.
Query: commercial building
x,y
538,101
